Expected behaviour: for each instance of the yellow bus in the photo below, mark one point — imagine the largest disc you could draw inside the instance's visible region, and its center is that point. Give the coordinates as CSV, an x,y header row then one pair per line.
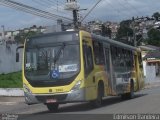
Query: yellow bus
x,y
77,66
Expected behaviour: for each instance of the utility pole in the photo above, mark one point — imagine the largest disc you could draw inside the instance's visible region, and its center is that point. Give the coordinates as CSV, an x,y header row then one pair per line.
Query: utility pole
x,y
57,5
75,19
72,5
3,32
134,32
3,35
137,40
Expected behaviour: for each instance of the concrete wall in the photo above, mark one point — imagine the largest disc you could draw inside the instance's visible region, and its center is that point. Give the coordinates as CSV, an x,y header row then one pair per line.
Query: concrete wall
x,y
150,74
144,68
8,62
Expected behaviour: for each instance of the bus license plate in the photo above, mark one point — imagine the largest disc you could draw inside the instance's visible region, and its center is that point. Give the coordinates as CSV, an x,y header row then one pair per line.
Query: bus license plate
x,y
51,101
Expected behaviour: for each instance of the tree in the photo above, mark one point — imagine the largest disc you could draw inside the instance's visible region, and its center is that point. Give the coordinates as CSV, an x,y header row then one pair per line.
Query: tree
x,y
156,15
20,38
124,32
153,37
106,31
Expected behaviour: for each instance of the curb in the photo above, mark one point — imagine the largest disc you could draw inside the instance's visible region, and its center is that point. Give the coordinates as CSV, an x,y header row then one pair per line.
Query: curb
x,y
11,92
152,85
18,92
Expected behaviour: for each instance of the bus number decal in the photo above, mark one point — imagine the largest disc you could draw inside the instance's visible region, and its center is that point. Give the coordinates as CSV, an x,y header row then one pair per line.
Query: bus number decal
x,y
68,68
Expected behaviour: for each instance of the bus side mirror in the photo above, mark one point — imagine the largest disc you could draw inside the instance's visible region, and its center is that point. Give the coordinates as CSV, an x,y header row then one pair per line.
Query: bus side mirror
x,y
17,57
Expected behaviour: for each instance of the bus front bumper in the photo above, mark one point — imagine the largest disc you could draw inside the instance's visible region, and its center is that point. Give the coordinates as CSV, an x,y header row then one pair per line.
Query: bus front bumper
x,y
72,96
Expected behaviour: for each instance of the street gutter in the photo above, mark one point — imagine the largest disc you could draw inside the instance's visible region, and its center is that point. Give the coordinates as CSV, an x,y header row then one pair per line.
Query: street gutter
x,y
152,85
18,92
11,92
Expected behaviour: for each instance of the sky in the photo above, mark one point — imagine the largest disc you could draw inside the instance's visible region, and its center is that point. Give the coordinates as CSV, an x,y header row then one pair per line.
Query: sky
x,y
106,10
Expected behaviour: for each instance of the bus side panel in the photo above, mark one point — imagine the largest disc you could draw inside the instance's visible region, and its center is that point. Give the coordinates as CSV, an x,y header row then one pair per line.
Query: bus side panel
x,y
90,84
97,75
108,71
139,73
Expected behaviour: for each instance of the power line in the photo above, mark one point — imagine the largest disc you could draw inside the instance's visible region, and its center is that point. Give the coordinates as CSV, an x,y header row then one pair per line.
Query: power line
x,y
126,7
53,2
91,10
42,3
133,7
55,5
116,9
32,10
28,11
59,8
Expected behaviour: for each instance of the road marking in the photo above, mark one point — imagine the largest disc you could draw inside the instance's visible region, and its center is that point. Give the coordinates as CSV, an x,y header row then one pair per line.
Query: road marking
x,y
8,103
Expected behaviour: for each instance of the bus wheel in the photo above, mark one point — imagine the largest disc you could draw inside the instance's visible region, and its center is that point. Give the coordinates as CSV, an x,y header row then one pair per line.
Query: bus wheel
x,y
52,107
124,96
129,95
98,102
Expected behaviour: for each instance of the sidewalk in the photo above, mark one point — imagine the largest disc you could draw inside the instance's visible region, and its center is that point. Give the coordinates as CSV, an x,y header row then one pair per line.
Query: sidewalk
x,y
154,83
11,92
19,93
11,99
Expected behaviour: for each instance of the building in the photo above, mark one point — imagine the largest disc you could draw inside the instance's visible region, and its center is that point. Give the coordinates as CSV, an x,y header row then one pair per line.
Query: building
x,y
95,27
114,26
142,25
151,62
8,62
8,48
108,28
157,25
9,36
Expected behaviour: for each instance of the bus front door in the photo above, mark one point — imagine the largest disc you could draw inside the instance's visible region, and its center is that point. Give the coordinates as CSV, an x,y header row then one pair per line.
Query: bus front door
x,y
110,89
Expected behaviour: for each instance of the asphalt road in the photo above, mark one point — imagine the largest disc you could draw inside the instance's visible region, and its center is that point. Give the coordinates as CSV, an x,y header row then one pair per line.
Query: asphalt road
x,y
146,101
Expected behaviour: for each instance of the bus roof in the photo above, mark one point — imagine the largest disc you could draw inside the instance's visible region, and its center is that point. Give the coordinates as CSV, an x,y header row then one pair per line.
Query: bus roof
x,y
113,42
94,36
51,34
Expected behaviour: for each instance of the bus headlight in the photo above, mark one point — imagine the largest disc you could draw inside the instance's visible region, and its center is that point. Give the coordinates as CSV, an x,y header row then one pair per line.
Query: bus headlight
x,y
77,85
26,89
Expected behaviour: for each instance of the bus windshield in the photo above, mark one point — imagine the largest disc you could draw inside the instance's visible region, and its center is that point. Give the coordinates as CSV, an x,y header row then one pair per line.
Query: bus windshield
x,y
52,62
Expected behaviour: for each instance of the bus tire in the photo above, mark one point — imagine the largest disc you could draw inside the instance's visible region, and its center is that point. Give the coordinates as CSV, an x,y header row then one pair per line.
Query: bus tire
x,y
52,107
124,96
129,95
98,101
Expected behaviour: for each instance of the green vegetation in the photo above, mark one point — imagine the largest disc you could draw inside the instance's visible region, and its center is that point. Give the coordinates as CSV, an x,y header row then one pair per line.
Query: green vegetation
x,y
20,38
125,31
11,80
156,15
153,37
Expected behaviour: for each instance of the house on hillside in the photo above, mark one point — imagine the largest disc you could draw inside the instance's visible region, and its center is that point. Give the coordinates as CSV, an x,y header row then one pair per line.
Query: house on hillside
x,y
152,58
151,62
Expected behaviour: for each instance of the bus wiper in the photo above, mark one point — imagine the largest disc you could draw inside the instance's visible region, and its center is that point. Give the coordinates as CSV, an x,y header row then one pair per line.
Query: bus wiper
x,y
56,58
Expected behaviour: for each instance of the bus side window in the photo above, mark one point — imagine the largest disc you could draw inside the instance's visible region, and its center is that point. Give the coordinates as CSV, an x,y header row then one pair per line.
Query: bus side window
x,y
98,53
131,63
114,55
88,59
140,61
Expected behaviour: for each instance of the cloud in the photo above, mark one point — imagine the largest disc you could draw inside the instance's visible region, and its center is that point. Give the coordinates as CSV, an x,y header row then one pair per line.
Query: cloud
x,y
124,9
113,10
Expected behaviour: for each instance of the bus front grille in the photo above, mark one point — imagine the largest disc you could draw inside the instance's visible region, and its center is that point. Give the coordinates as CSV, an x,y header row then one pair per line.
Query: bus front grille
x,y
59,98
